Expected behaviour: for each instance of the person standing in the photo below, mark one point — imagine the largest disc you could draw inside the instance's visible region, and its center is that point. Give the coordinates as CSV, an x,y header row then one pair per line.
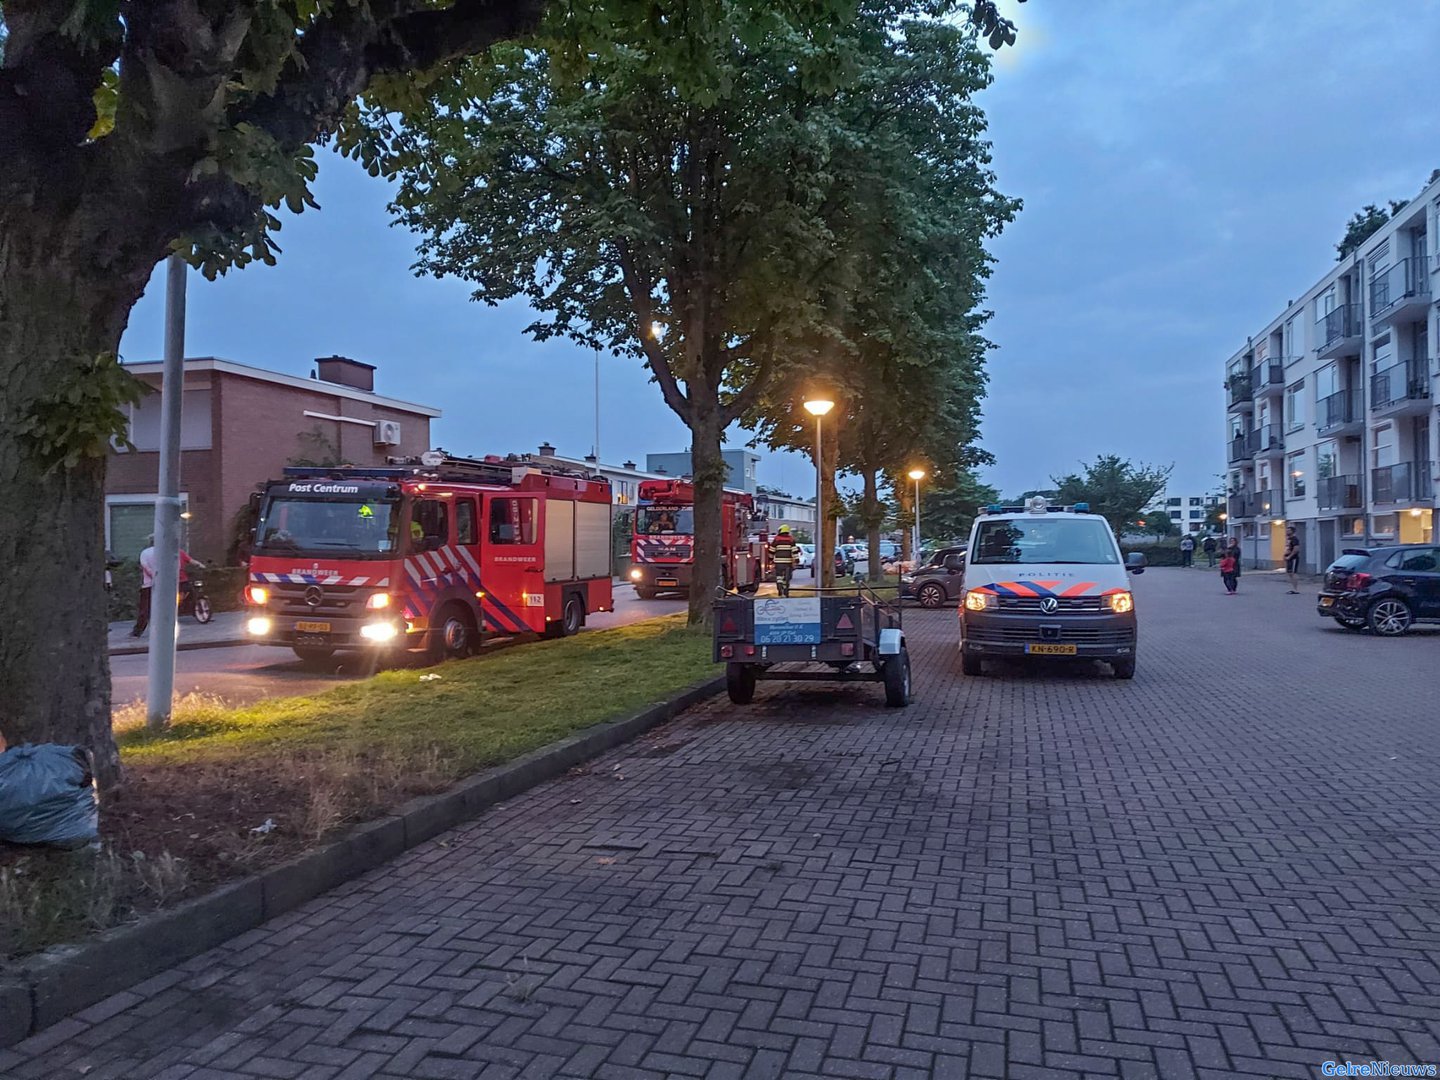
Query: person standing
x,y
147,583
1230,570
1292,560
782,551
1210,545
1232,547
1187,550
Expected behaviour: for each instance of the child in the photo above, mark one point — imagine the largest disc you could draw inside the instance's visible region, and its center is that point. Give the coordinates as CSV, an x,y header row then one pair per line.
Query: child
x,y
1228,574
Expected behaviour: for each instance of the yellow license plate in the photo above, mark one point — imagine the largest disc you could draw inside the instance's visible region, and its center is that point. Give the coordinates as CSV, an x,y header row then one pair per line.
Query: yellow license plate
x,y
312,627
1327,601
1050,650
672,582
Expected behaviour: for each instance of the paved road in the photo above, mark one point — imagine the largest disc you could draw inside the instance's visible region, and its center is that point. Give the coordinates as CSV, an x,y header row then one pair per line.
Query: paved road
x,y
1226,867
247,673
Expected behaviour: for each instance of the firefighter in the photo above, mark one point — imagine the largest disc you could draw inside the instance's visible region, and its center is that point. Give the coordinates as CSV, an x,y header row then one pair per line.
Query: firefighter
x,y
782,551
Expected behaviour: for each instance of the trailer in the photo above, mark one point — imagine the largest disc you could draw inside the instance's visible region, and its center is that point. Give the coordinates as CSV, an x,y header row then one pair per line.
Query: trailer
x,y
836,635
429,554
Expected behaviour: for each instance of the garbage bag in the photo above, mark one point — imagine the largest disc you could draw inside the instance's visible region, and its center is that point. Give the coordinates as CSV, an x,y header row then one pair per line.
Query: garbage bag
x,y
47,796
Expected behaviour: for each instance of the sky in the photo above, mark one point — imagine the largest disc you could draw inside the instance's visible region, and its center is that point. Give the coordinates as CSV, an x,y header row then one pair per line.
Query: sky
x,y
1186,170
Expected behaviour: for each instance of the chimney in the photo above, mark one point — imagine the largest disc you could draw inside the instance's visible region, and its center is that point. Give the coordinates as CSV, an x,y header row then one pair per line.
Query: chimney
x,y
630,465
343,371
591,458
546,450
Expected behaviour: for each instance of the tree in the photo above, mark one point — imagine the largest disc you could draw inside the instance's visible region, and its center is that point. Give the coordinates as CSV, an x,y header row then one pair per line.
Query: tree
x,y
664,186
946,513
1364,225
128,131
1115,489
1158,522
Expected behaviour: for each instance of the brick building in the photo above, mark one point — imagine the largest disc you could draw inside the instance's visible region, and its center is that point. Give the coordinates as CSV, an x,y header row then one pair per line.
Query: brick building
x,y
242,425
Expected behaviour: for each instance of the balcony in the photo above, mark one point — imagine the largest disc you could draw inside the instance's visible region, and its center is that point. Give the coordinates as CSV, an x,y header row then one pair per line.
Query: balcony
x,y
1239,392
1267,504
1406,482
1238,450
1338,332
1268,377
1337,412
1403,387
1339,492
1238,506
1266,440
1402,290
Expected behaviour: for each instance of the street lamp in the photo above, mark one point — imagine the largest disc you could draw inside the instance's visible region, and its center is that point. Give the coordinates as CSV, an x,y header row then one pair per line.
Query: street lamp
x,y
818,407
917,475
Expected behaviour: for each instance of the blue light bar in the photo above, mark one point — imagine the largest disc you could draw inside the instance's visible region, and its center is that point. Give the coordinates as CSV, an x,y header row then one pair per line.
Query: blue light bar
x,y
1081,508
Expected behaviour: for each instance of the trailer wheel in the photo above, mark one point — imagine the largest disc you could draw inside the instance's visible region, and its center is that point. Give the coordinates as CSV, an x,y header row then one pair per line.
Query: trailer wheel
x,y
572,617
740,683
452,635
897,680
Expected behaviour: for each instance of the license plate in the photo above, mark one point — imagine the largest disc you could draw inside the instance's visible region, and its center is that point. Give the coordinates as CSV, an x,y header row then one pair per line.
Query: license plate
x,y
312,627
670,581
1327,601
1050,650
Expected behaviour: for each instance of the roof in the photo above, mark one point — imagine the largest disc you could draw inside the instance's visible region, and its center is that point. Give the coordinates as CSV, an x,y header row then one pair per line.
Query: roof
x,y
295,382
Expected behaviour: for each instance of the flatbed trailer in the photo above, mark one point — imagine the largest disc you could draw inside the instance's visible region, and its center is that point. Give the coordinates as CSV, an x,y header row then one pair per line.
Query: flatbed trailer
x,y
855,634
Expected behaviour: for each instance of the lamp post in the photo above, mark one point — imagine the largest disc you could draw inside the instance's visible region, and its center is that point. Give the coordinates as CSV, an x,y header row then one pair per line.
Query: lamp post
x,y
917,475
818,407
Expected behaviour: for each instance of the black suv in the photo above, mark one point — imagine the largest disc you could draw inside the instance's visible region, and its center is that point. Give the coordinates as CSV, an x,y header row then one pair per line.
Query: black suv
x,y
938,580
1386,590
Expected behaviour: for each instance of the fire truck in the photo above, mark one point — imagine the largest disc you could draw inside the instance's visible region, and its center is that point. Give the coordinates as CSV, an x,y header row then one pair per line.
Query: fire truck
x,y
430,554
662,547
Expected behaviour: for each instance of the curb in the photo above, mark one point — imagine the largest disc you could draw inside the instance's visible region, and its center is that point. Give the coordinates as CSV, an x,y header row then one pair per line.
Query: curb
x,y
182,646
67,978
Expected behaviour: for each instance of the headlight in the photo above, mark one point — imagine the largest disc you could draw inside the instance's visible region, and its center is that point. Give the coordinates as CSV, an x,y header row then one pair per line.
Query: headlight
x,y
259,626
975,600
377,601
378,631
1119,602
636,575
257,594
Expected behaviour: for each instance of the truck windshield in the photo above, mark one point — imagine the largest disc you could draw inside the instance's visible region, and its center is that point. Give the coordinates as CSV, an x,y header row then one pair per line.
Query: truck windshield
x,y
327,527
665,520
1050,539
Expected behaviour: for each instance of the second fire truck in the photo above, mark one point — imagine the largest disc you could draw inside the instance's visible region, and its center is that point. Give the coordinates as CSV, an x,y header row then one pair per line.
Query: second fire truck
x,y
662,545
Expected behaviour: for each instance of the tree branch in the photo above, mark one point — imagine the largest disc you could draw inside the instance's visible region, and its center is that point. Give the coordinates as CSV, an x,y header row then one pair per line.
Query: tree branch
x,y
643,303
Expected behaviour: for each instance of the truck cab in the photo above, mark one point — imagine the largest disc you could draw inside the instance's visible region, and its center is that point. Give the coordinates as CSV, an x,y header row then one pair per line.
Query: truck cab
x,y
1047,581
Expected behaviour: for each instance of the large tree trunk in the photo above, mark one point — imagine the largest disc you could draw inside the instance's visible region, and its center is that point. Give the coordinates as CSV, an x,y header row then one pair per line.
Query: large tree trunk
x,y
707,429
872,514
63,302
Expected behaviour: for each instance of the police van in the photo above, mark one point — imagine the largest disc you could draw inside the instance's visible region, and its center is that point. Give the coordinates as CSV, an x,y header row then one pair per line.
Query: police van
x,y
1047,581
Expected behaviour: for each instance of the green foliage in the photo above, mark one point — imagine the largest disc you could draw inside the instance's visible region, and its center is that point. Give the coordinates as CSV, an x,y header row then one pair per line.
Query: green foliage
x,y
1157,522
81,415
1114,488
947,513
1364,225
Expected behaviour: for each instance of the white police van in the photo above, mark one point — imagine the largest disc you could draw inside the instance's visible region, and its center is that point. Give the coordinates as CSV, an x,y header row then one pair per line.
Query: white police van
x,y
1048,581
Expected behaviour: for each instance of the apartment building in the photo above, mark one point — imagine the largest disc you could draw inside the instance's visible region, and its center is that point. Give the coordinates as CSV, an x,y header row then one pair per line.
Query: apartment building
x,y
1186,512
1330,408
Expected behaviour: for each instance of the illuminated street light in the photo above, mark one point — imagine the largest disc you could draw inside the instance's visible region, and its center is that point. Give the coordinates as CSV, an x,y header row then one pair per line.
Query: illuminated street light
x,y
917,475
818,407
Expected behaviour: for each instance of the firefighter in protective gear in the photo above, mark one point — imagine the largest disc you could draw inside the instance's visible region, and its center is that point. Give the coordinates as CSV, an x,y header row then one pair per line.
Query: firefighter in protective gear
x,y
782,552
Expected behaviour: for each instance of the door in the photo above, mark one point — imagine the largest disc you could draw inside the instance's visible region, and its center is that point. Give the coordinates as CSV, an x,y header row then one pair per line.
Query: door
x,y
513,564
1419,575
1327,544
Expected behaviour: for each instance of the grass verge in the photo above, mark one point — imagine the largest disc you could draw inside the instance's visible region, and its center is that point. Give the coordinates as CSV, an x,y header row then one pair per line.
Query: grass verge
x,y
228,790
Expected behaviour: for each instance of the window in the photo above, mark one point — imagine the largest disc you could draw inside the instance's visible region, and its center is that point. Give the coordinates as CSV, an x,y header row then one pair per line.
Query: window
x,y
1423,561
1383,524
1290,346
465,522
1173,502
1382,446
1295,470
1195,500
1295,406
129,521
1327,460
1175,515
429,524
1352,526
1194,515
194,421
1048,539
512,521
662,520
1327,382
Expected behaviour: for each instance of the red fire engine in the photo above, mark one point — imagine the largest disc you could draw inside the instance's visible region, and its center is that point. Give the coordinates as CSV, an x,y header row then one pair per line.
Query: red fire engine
x,y
662,551
430,555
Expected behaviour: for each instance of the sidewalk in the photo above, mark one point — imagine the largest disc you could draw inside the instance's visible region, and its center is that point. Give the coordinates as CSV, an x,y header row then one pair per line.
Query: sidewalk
x,y
226,628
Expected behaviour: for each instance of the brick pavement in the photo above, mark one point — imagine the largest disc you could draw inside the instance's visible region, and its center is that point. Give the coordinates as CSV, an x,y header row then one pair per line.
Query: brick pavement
x,y
1226,867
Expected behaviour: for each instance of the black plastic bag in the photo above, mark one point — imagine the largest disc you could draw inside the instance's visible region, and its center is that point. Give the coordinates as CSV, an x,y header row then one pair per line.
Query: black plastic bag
x,y
47,796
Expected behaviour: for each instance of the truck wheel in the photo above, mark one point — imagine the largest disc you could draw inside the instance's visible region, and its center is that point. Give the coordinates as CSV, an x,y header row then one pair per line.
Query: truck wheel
x,y
897,680
452,635
1124,669
971,665
572,617
931,595
740,683
643,593
313,654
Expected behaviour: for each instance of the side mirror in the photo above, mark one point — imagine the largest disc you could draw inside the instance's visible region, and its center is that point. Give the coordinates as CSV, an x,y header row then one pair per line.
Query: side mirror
x,y
954,563
255,497
1135,562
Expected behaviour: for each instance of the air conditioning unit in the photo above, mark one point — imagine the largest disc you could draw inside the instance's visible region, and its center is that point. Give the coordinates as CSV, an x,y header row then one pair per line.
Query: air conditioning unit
x,y
387,433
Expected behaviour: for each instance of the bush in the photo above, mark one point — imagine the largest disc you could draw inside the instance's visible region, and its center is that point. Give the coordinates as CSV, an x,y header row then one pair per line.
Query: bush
x,y
1166,554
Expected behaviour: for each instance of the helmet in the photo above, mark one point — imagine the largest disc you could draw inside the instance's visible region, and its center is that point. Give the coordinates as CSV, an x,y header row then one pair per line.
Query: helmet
x,y
784,528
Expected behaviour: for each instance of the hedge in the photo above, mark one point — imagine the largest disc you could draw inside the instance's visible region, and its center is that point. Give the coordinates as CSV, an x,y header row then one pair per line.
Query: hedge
x,y
223,584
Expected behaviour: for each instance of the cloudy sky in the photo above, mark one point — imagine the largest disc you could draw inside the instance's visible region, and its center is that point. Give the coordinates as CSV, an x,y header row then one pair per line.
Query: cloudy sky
x,y
1186,167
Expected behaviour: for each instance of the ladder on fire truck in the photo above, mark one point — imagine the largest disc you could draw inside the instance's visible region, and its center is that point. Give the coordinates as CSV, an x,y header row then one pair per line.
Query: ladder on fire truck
x,y
440,466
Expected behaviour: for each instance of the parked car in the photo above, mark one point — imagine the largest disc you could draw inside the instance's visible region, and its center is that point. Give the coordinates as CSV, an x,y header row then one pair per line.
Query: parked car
x,y
804,556
1385,590
938,580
